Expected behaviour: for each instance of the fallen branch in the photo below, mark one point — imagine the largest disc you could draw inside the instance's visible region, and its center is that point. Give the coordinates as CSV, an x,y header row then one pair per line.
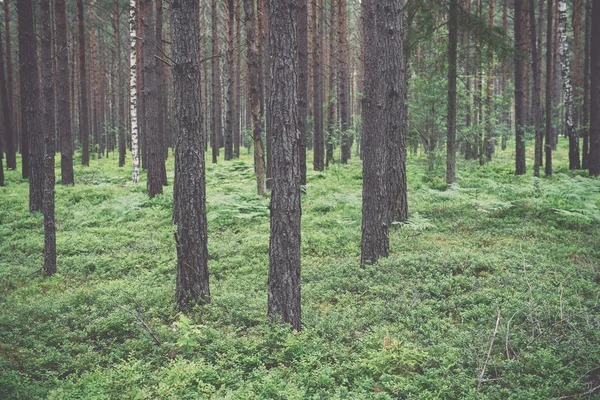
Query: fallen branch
x,y
489,355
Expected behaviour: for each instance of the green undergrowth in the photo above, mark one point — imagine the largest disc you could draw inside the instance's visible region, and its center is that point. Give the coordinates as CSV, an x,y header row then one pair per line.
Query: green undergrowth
x,y
418,324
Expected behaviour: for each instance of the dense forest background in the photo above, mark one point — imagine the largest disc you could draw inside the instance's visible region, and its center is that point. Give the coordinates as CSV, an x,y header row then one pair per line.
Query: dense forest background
x,y
437,159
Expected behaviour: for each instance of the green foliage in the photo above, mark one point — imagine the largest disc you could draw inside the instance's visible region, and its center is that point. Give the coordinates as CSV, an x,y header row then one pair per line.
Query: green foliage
x,y
416,325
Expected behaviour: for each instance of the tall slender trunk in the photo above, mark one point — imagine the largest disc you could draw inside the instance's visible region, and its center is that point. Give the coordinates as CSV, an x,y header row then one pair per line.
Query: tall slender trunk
x,y
505,70
229,98
302,35
62,95
161,91
133,84
344,80
451,140
594,161
84,123
586,86
567,85
119,107
9,139
237,87
331,95
317,72
549,86
11,135
519,89
488,144
537,83
216,85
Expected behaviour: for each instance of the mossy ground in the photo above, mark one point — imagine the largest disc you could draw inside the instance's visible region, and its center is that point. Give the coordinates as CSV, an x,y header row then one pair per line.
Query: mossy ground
x,y
416,325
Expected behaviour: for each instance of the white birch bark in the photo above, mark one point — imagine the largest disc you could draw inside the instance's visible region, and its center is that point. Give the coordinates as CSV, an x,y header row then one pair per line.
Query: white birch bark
x,y
135,150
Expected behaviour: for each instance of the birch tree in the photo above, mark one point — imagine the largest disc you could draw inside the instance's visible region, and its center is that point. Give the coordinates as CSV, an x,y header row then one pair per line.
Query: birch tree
x,y
135,150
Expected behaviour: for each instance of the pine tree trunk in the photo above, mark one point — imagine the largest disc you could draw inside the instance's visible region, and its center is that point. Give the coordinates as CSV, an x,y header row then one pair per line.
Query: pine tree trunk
x,y
84,122
536,101
586,87
229,98
48,128
135,149
237,86
567,85
317,71
344,80
120,106
331,95
30,103
519,89
451,140
549,85
594,156
216,86
284,249
11,135
254,65
488,144
62,95
161,90
302,35
192,283
505,70
9,140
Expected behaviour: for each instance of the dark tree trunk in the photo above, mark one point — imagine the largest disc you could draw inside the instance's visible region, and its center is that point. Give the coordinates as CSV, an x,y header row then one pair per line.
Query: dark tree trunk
x,y
84,122
451,141
586,87
595,92
30,103
319,149
284,249
120,107
344,81
230,99
48,127
519,88
192,286
11,142
216,86
155,162
9,139
238,88
302,9
383,110
331,95
62,95
254,66
549,85
161,90
487,145
537,83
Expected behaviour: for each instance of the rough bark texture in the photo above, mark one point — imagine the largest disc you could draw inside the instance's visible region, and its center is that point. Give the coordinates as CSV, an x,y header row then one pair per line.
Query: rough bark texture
x,y
586,87
574,162
319,149
48,128
84,121
155,162
11,144
229,99
331,95
488,145
192,251
302,9
549,86
519,88
62,95
254,66
284,249
343,80
595,92
161,92
237,87
30,103
216,86
120,106
537,83
133,84
383,110
9,140
451,140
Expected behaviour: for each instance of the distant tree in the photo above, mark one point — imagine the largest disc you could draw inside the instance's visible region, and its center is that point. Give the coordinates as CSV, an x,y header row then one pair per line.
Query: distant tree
x,y
549,86
84,121
344,80
62,95
317,71
537,83
237,130
302,34
217,131
121,126
383,110
192,284
586,87
595,91
48,128
10,135
332,87
255,83
9,141
284,250
229,99
452,64
30,103
519,89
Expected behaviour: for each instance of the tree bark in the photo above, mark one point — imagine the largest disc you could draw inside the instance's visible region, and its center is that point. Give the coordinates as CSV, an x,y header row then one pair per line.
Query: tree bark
x,y
284,250
302,34
519,88
30,103
537,83
62,95
133,84
451,140
574,162
595,91
237,87
120,106
48,128
9,140
344,80
11,135
192,283
254,65
84,122
319,148
331,95
586,87
230,99
549,85
216,86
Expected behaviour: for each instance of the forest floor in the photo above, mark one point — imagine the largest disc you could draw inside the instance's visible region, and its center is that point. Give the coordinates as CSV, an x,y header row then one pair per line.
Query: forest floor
x,y
519,253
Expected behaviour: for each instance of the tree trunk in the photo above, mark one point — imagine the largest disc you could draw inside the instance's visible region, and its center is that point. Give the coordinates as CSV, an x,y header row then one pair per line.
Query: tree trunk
x,y
238,88
230,99
48,128
586,87
30,103
135,149
216,85
62,95
595,92
9,140
284,249
537,83
344,80
488,145
84,122
549,85
317,70
451,141
192,283
11,135
567,85
120,104
161,90
331,95
302,34
254,65
519,88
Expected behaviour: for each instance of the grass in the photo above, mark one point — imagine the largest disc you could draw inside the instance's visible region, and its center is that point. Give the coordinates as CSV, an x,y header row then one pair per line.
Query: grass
x,y
416,325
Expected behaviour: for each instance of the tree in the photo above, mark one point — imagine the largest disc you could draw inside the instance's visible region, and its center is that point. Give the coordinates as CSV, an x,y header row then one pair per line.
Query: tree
x,y
343,81
319,143
383,110
10,135
519,88
284,250
549,84
255,83
48,127
230,99
84,122
120,107
565,69
452,44
9,140
216,86
586,87
595,91
302,34
537,83
192,284
62,95
30,104
133,84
